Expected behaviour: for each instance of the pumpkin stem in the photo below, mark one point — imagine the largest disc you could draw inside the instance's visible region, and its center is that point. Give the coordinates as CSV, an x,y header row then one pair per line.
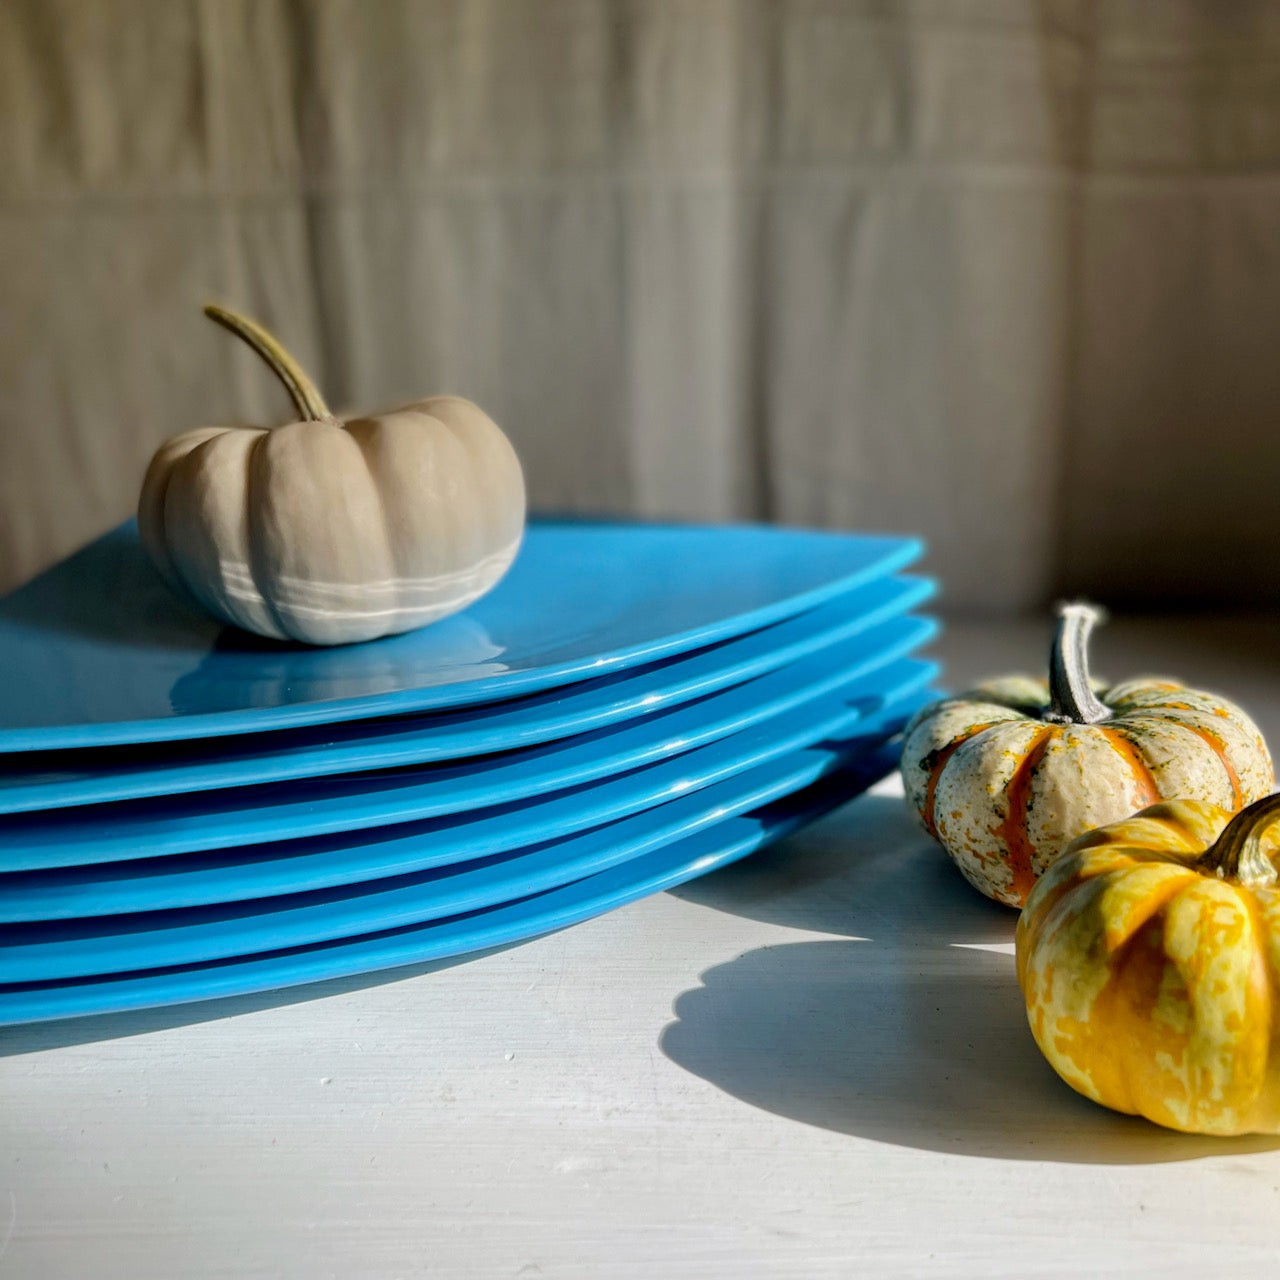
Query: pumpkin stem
x,y
1237,853
304,393
1071,697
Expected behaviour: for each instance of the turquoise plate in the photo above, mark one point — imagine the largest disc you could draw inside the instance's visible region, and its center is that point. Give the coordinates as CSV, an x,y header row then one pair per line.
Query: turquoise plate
x,y
97,650
198,880
644,764
58,779
80,948
695,854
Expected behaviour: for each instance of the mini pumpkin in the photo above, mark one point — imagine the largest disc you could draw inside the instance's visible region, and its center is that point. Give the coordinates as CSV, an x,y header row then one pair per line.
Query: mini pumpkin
x,y
1149,958
1004,776
328,530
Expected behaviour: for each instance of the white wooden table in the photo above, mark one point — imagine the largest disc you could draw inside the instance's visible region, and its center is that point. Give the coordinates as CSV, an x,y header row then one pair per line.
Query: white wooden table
x,y
813,1064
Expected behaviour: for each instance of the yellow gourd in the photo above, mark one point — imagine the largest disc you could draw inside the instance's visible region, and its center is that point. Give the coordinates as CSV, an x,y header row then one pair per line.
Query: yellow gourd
x,y
1005,775
329,531
1149,958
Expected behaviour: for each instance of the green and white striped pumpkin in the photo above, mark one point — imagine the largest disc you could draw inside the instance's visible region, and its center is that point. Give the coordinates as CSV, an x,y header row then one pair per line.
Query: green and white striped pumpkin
x,y
1005,775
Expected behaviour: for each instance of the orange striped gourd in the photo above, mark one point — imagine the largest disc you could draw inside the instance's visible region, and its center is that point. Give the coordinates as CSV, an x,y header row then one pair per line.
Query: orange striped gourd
x,y
1149,960
1004,776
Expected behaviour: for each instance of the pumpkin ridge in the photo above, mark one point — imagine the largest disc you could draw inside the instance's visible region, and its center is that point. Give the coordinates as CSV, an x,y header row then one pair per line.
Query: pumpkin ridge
x,y
388,534
938,763
1129,751
1137,983
459,437
1261,918
1219,749
156,540
1013,830
188,462
1116,1083
1195,940
1071,1005
1174,877
1261,937
253,503
1168,842
153,530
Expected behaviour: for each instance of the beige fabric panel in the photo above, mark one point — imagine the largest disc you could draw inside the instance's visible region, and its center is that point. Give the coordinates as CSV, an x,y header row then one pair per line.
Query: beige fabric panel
x,y
868,264
1175,453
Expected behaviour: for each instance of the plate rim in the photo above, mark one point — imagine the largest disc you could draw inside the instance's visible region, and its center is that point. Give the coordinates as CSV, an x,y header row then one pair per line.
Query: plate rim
x,y
731,753
555,909
277,762
397,905
899,551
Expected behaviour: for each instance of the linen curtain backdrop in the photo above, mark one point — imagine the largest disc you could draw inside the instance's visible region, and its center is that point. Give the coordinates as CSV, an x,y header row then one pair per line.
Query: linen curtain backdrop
x,y
1001,272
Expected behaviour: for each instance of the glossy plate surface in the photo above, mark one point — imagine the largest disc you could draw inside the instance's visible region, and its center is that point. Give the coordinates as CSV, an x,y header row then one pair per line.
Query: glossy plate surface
x,y
116,944
57,779
830,700
98,651
711,847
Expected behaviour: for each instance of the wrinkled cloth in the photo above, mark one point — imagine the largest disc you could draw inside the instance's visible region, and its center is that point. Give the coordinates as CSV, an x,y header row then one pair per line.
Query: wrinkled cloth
x,y
1003,273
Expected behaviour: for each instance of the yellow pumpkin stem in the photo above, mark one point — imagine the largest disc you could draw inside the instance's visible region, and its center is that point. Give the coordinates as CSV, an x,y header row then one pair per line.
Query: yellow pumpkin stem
x,y
304,393
1237,854
1071,697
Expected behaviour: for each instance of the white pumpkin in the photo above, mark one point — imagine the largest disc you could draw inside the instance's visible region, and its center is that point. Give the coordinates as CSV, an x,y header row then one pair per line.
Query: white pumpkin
x,y
331,531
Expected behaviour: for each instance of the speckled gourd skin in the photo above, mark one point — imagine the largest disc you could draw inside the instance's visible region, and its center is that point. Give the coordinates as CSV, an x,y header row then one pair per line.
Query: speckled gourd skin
x,y
1151,972
330,531
1004,789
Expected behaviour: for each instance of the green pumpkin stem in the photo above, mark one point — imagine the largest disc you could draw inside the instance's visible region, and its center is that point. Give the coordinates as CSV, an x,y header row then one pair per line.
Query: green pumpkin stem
x,y
1071,697
1237,854
304,393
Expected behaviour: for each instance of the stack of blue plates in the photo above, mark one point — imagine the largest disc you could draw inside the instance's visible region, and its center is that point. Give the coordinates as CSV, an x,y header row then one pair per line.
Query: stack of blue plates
x,y
189,812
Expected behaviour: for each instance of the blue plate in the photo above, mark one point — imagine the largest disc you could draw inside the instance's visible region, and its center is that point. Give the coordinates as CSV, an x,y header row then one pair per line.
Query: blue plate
x,y
297,810
711,847
98,651
197,880
58,779
117,944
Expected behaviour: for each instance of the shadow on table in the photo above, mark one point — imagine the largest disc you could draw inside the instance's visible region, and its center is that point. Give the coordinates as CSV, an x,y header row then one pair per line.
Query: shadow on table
x,y
906,1030
38,1036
